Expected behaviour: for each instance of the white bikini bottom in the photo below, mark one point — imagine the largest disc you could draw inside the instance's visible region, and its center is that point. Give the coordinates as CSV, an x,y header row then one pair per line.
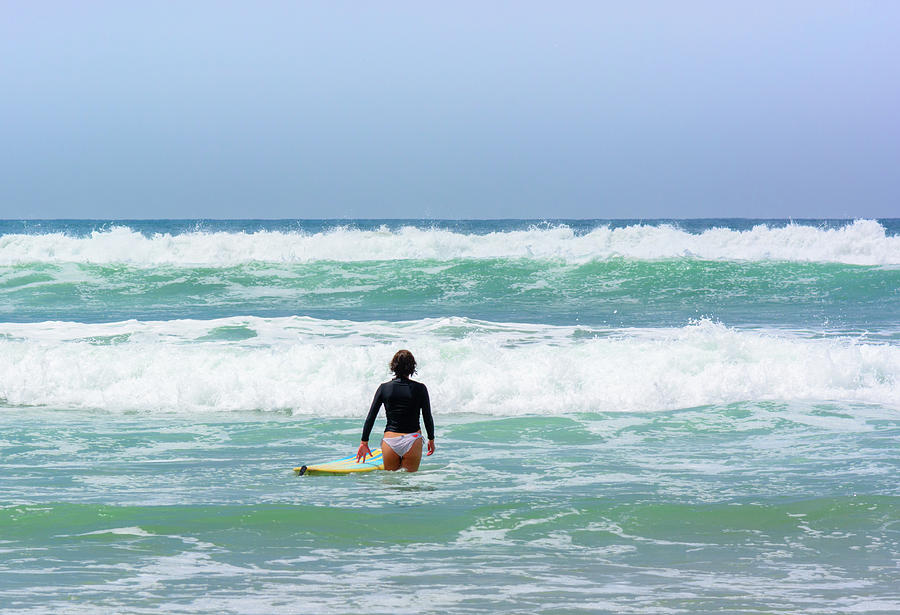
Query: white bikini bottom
x,y
402,444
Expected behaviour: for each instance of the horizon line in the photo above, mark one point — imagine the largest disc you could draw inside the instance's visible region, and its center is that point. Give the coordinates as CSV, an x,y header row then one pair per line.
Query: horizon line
x,y
435,219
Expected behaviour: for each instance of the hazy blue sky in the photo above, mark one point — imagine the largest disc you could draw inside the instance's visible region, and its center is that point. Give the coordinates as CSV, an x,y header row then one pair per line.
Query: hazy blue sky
x,y
458,109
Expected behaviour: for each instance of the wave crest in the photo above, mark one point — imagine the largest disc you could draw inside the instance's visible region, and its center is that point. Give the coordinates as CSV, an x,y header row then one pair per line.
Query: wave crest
x,y
862,242
330,368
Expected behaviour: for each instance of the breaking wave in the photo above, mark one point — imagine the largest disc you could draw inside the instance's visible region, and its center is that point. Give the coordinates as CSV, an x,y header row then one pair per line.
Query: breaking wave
x,y
861,242
330,368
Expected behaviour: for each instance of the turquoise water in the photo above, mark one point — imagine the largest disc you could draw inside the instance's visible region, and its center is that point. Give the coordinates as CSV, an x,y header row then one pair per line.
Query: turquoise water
x,y
656,417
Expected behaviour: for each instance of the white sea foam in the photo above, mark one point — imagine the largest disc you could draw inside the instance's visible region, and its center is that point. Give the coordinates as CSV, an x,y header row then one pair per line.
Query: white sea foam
x,y
330,368
122,531
863,242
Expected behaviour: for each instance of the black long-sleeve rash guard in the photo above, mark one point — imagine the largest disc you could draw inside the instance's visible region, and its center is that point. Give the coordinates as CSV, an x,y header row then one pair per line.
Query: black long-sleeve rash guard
x,y
402,399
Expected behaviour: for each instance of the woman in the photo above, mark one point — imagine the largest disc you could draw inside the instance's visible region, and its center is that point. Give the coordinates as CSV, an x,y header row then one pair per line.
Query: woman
x,y
403,398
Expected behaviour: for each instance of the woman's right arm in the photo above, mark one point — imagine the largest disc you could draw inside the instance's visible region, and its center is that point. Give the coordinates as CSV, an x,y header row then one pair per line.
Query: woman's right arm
x,y
427,419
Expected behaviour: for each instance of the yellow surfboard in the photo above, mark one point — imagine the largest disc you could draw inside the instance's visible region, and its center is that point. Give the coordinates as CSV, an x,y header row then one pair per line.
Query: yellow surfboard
x,y
347,465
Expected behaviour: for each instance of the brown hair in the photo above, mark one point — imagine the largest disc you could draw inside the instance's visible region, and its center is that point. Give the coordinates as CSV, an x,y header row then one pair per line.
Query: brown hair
x,y
403,364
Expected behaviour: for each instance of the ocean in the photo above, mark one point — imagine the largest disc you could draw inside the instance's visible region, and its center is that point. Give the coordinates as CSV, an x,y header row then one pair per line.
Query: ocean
x,y
632,416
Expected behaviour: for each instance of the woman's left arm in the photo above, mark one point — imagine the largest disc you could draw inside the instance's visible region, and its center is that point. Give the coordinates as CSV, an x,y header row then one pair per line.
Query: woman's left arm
x,y
363,451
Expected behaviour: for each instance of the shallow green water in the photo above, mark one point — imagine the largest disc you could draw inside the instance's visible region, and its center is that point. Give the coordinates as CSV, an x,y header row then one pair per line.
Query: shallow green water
x,y
747,507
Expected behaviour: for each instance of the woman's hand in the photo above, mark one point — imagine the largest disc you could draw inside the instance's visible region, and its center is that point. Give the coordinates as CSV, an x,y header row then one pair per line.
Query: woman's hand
x,y
363,452
430,448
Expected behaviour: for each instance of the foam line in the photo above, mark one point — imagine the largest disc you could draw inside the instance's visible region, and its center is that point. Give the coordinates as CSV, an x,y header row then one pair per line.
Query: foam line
x,y
862,242
330,368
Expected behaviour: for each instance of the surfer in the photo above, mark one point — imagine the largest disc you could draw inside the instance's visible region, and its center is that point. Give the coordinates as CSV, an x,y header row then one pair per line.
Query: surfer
x,y
403,399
